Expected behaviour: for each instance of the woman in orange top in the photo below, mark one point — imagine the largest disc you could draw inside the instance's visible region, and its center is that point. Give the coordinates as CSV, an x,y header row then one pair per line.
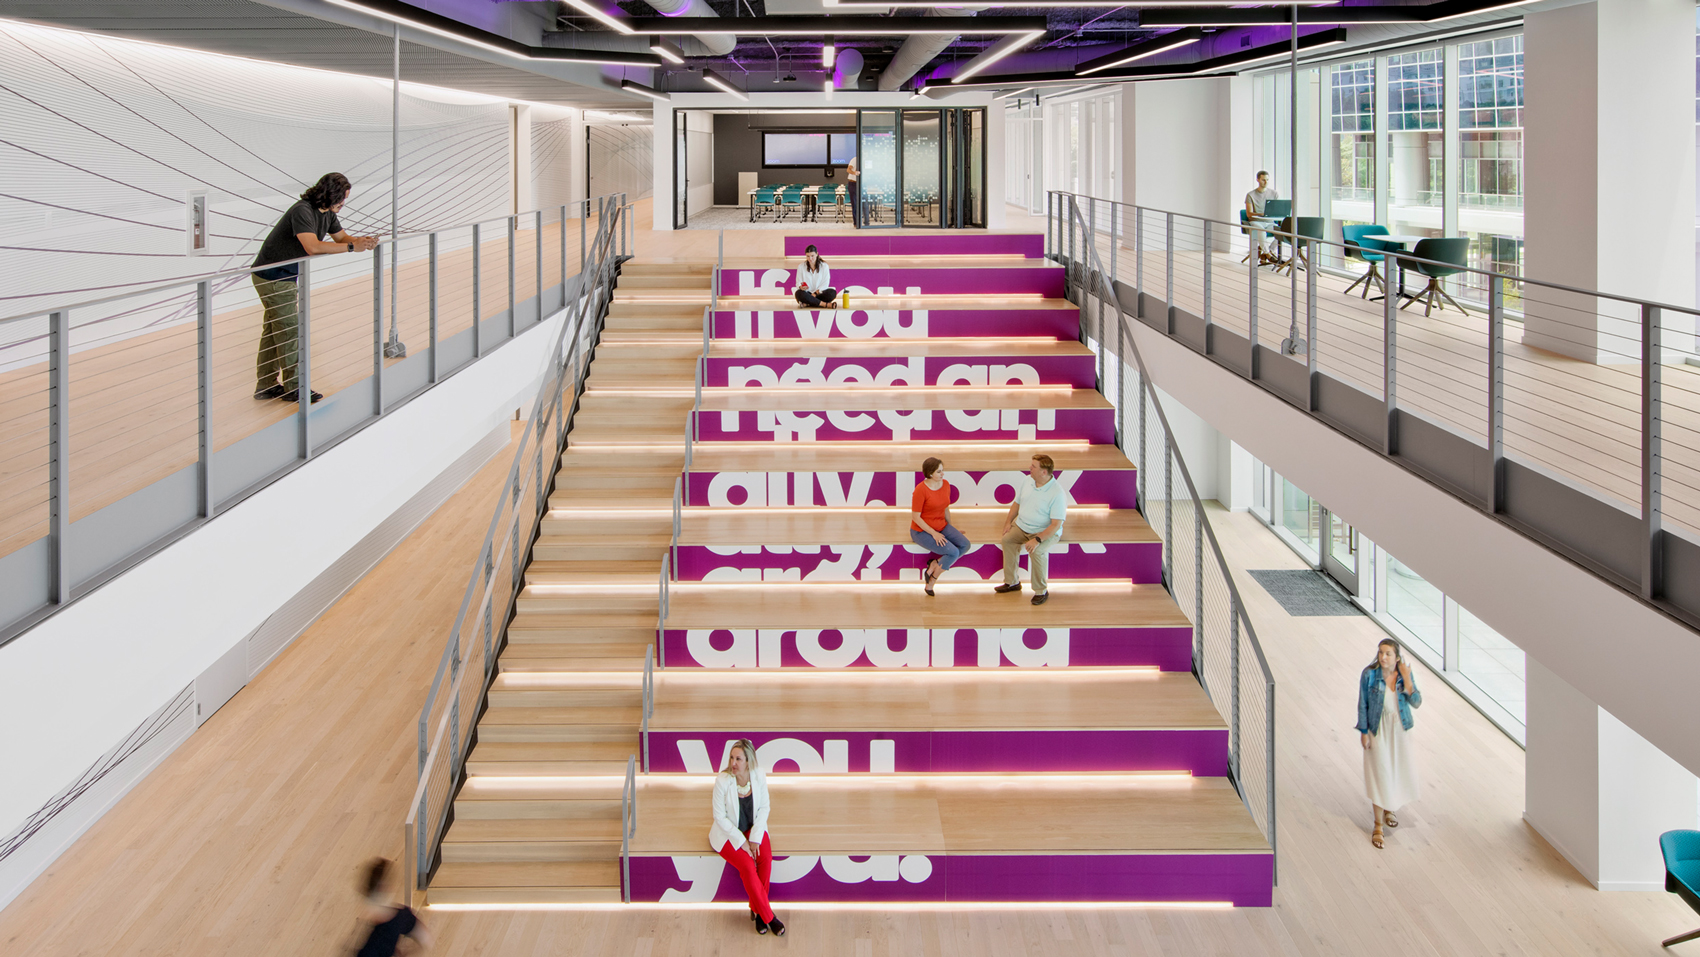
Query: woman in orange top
x,y
929,522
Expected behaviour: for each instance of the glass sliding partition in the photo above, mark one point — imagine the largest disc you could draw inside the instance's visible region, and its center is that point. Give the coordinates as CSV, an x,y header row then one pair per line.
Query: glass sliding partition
x,y
974,181
919,168
1415,94
1352,167
877,136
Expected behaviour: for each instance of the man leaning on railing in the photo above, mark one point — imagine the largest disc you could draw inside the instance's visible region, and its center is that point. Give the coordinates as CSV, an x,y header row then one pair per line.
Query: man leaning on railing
x,y
297,234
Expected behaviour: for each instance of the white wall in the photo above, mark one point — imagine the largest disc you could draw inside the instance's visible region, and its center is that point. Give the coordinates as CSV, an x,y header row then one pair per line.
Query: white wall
x,y
1179,158
80,682
699,156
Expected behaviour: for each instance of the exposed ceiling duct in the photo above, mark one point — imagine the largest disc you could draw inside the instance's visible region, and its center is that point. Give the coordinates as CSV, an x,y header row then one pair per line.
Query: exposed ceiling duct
x,y
717,44
847,69
918,51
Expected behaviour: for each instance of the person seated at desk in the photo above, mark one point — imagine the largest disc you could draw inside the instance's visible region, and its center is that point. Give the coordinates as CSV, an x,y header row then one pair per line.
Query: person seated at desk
x,y
814,281
1254,205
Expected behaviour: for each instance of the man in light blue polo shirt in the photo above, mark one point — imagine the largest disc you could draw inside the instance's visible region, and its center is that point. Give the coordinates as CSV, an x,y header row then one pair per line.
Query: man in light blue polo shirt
x,y
1034,522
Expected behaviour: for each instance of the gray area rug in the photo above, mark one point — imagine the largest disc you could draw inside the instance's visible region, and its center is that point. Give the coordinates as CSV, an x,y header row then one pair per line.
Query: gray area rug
x,y
1304,593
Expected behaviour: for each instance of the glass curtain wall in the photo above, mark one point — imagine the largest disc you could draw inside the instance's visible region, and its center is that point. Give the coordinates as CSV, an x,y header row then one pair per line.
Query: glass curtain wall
x,y
1484,666
1490,142
1351,186
1416,152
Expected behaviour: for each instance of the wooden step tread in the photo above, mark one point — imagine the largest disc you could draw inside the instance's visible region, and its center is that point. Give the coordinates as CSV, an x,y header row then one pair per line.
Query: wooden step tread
x,y
874,525
901,605
878,348
523,896
468,852
786,398
527,874
964,814
860,699
902,302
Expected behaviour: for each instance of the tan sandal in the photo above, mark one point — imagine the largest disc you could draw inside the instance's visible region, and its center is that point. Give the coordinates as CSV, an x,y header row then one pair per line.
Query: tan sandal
x,y
1375,838
1390,819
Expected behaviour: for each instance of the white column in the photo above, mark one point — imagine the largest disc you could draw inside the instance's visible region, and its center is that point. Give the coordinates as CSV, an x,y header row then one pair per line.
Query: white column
x,y
663,200
521,166
1608,170
995,185
1597,791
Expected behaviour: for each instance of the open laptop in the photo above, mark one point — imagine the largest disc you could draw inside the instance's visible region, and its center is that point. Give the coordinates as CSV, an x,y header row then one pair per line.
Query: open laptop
x,y
1278,208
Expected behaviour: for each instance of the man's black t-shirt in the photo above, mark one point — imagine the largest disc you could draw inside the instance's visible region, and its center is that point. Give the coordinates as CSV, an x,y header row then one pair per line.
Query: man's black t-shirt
x,y
282,245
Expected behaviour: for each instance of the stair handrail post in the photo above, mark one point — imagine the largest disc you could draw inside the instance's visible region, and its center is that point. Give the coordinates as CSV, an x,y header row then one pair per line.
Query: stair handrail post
x,y
628,822
648,700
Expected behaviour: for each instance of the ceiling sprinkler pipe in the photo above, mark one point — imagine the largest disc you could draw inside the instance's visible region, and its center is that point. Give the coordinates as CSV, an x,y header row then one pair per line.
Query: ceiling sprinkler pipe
x,y
847,69
918,51
717,44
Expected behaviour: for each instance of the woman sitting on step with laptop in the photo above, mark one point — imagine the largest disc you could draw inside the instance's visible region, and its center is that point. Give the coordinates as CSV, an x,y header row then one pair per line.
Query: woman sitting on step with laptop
x,y
814,281
739,832
929,523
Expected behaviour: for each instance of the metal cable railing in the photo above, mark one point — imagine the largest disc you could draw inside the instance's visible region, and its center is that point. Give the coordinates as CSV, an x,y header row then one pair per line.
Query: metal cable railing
x,y
468,662
1570,414
1194,569
129,419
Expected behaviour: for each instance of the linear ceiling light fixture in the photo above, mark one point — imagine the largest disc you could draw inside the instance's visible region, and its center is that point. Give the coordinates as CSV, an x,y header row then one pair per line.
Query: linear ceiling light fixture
x,y
666,50
722,84
828,52
828,87
1068,4
1233,61
1262,16
1005,96
438,25
614,19
996,52
841,26
632,86
1139,51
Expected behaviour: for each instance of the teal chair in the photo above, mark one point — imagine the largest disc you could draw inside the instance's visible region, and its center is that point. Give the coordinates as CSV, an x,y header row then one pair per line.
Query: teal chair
x,y
827,196
1451,255
761,202
790,199
1307,231
1682,872
1368,252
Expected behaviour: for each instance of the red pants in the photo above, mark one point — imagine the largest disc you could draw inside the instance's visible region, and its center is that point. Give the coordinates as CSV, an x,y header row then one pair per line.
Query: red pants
x,y
754,871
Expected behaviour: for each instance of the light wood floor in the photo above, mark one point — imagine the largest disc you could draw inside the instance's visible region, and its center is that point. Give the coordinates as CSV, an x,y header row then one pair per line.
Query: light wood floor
x,y
247,838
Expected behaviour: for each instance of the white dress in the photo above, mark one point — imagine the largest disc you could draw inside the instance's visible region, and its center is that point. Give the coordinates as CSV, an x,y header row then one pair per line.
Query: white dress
x,y
1390,770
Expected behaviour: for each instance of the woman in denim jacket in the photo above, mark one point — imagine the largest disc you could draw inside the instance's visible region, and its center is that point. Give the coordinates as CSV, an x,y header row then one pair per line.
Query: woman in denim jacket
x,y
1390,773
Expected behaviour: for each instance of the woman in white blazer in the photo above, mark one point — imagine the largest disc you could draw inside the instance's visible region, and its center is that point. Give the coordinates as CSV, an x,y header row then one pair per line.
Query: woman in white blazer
x,y
739,832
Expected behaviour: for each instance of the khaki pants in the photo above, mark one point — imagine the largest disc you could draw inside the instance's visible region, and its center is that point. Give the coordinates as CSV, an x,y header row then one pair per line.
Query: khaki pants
x,y
1012,543
279,334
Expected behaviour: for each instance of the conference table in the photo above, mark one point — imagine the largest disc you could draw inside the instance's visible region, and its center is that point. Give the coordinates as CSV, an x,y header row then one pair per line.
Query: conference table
x,y
811,204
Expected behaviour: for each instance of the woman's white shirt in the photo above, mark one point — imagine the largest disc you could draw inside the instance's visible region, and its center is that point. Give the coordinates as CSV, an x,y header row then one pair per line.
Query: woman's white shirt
x,y
725,827
818,278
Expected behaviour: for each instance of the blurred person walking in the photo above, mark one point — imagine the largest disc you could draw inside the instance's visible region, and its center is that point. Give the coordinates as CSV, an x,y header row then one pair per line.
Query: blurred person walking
x,y
297,234
389,922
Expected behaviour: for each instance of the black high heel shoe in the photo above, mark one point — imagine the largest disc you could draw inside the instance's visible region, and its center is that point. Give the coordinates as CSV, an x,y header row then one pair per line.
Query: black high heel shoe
x,y
932,576
761,925
777,927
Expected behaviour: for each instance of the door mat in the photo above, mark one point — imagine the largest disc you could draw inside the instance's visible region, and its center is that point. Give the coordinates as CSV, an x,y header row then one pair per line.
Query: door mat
x,y
1304,593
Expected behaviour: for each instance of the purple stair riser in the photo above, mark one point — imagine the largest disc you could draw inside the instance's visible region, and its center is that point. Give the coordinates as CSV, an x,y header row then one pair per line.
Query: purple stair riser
x,y
1092,425
1244,880
1079,371
895,323
1030,245
1140,562
1167,648
1112,487
941,281
1203,752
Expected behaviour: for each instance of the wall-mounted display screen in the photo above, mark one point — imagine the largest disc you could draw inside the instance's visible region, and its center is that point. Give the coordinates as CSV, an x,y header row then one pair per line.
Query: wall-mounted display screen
x,y
807,149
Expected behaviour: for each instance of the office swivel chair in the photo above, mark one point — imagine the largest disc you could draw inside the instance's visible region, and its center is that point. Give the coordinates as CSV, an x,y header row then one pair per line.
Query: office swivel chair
x,y
1682,873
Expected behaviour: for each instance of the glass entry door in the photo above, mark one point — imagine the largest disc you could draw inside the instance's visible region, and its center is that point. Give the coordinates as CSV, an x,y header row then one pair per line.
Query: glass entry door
x,y
877,158
1340,551
681,194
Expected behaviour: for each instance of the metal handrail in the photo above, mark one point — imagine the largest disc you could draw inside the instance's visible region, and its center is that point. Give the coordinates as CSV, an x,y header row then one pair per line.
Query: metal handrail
x,y
540,445
187,281
628,827
648,701
1127,347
